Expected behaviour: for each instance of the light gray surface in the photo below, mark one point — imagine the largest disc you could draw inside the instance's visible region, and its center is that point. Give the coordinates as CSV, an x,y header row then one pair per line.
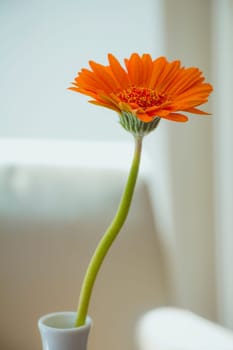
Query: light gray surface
x,y
178,329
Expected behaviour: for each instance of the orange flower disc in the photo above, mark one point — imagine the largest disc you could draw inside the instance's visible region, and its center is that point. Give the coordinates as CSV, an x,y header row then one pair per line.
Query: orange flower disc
x,y
146,88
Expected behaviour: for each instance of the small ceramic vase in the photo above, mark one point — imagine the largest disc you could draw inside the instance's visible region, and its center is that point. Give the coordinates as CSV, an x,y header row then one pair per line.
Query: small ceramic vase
x,y
58,332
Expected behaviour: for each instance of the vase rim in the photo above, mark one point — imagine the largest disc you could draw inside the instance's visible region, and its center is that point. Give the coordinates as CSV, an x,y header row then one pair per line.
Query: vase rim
x,y
53,321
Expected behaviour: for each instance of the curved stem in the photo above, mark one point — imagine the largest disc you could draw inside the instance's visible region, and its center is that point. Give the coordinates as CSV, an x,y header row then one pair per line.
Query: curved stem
x,y
108,237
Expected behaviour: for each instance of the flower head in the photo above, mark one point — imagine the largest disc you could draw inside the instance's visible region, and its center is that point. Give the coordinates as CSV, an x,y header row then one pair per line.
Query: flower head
x,y
147,88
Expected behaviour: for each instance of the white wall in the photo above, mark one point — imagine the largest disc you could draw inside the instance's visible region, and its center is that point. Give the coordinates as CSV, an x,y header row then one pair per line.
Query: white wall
x,y
45,43
223,146
188,38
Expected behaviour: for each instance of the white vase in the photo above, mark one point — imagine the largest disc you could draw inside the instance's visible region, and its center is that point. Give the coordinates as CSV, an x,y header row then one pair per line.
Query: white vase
x,y
58,332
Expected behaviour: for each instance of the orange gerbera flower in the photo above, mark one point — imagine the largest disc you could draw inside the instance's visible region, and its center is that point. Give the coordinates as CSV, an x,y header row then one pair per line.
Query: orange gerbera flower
x,y
146,88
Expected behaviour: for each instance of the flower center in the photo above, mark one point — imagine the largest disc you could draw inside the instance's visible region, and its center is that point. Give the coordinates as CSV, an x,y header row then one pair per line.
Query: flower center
x,y
142,97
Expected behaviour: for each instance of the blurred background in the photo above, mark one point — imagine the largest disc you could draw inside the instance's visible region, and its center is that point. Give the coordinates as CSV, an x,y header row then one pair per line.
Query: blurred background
x,y
63,164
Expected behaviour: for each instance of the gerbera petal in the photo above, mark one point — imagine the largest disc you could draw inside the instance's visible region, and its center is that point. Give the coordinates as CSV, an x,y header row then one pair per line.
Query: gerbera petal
x,y
186,79
134,67
118,72
192,98
90,80
168,75
106,105
111,99
158,67
147,69
144,117
197,111
176,117
102,73
83,91
187,104
125,107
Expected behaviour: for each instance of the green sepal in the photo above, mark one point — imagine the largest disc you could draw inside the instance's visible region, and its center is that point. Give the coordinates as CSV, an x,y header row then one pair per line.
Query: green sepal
x,y
136,126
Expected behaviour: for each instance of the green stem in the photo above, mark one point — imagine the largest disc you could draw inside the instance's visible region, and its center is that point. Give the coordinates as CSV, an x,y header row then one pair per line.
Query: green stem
x,y
108,237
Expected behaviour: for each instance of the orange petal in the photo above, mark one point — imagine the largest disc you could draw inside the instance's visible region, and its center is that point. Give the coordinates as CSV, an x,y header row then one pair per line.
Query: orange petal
x,y
118,72
125,107
197,111
176,117
144,117
201,89
104,76
158,66
106,105
135,70
83,91
186,79
169,73
147,69
90,80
